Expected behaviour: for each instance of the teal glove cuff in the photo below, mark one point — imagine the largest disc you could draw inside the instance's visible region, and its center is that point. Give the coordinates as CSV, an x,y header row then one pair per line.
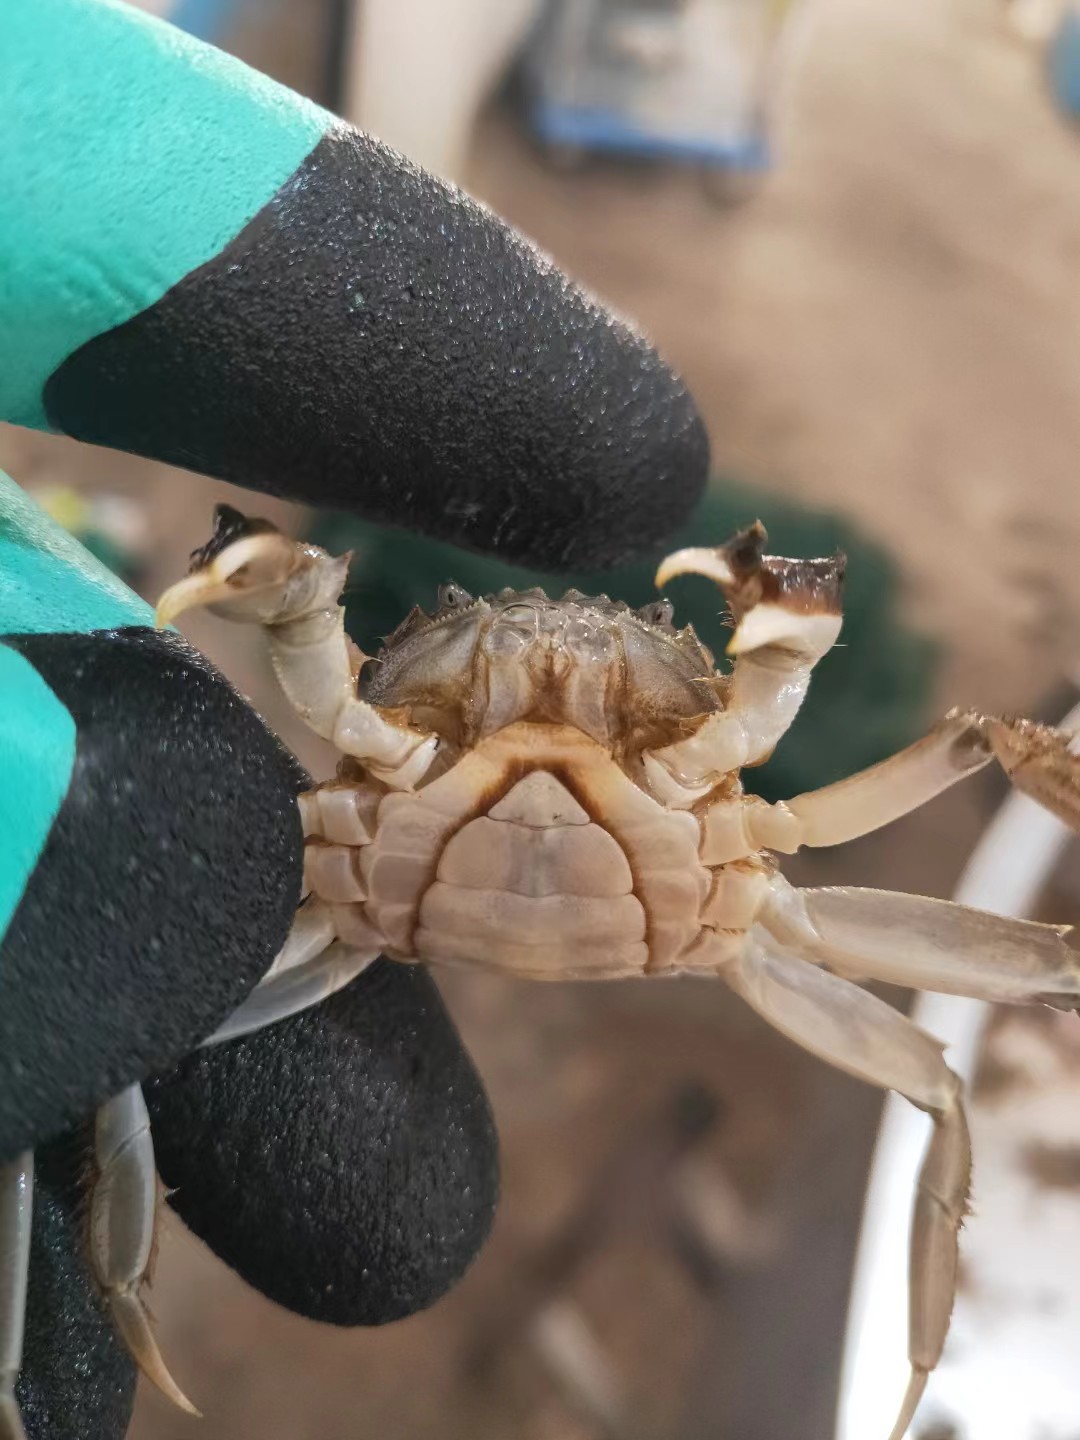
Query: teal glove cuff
x,y
48,582
37,751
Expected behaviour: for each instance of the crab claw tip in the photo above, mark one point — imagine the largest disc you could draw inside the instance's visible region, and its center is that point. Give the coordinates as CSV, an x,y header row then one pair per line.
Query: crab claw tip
x,y
186,594
253,563
697,560
910,1403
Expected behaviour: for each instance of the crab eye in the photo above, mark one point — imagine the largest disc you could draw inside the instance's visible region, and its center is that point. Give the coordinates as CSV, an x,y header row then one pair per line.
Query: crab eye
x,y
453,597
658,612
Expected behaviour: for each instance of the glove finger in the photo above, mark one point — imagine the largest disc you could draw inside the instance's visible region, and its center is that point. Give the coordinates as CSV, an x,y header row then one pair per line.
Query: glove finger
x,y
344,1162
166,883
222,275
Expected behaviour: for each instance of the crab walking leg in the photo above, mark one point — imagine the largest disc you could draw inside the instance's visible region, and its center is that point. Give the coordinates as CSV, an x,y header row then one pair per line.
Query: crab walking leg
x,y
959,745
343,814
955,748
926,944
16,1216
872,798
288,993
312,931
858,1033
311,965
1040,760
1037,759
123,1214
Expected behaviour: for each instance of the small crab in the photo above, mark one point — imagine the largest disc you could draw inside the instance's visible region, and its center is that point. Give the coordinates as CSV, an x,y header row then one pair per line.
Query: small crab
x,y
550,788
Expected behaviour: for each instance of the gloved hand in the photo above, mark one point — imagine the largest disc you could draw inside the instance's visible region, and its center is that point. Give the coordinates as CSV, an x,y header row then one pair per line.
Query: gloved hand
x,y
199,266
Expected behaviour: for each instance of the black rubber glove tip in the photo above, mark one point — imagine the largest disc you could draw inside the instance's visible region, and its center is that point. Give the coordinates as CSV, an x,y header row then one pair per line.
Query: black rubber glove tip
x,y
77,1381
343,1162
167,884
375,341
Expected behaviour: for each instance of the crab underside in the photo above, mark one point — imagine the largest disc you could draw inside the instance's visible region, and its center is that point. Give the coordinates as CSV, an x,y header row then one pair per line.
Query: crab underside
x,y
551,788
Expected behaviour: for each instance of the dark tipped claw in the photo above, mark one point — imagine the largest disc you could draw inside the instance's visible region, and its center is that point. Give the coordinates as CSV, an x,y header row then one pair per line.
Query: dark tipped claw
x,y
229,525
245,560
744,553
748,576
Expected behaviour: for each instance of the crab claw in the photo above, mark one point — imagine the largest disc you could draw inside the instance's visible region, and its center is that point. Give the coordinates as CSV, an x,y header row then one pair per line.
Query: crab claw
x,y
248,570
726,564
786,605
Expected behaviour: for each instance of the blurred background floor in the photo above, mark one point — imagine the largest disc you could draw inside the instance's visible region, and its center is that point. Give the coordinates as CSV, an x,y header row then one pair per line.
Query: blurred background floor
x,y
890,327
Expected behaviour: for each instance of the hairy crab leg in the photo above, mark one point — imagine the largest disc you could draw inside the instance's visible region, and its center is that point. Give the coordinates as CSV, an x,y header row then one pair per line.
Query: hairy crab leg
x,y
123,1215
926,944
250,572
311,966
1040,760
787,616
16,1216
860,1034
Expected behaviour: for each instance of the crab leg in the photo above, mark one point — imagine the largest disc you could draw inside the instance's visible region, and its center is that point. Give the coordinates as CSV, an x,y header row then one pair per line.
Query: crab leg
x,y
16,1214
1040,760
858,1033
310,967
954,748
123,1213
1037,759
869,800
250,572
926,944
295,990
787,616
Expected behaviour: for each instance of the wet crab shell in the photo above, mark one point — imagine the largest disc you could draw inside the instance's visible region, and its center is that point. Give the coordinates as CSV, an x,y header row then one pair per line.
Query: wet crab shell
x,y
533,844
625,677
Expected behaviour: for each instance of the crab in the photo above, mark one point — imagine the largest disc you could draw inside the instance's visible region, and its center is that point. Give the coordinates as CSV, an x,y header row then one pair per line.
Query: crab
x,y
550,789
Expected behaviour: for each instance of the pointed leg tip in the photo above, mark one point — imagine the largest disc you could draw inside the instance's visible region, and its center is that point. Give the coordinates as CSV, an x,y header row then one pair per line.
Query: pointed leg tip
x,y
912,1396
134,1325
697,560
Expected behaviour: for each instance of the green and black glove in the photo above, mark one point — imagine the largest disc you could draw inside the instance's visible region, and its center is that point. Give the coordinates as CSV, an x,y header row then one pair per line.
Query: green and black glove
x,y
197,265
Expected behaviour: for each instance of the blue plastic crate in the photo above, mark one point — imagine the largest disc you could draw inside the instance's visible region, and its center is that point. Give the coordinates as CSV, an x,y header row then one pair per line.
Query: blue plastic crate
x,y
682,80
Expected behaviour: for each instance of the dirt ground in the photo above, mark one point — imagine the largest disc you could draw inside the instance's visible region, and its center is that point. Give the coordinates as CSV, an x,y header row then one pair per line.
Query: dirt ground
x,y
891,327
